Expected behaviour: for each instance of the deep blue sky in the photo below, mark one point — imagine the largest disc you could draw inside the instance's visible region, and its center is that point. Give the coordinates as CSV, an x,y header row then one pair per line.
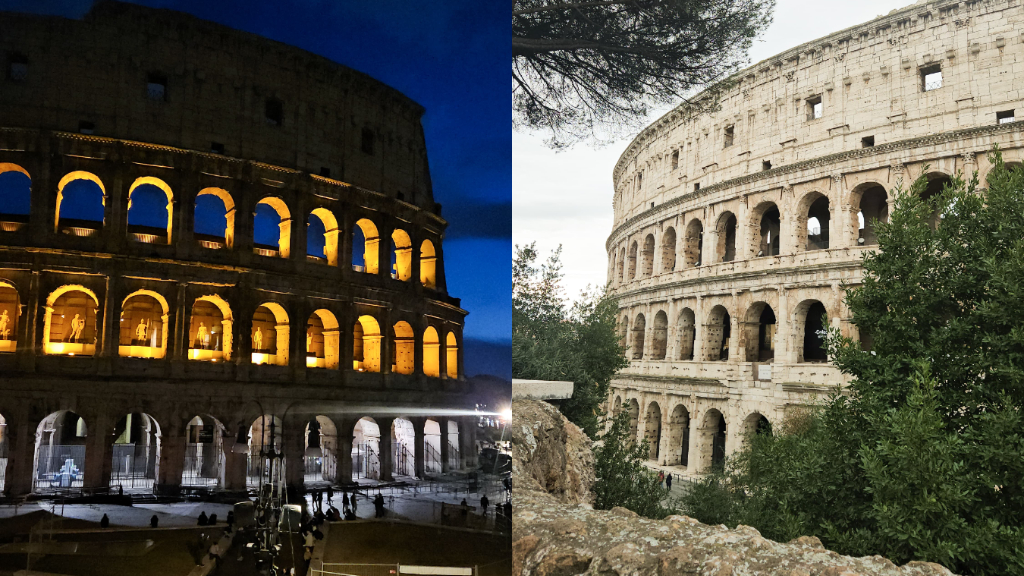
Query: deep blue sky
x,y
450,56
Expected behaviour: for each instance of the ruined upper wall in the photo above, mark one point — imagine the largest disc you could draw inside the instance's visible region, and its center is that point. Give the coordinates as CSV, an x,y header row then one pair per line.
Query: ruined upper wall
x,y
869,80
218,82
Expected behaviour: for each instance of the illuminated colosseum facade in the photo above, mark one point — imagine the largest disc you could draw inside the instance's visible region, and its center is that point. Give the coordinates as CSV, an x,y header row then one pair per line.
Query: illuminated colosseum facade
x,y
736,231
205,236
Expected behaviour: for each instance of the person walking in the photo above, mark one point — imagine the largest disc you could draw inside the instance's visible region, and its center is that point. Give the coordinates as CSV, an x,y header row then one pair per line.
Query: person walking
x,y
355,507
330,495
154,521
484,502
344,500
104,522
668,481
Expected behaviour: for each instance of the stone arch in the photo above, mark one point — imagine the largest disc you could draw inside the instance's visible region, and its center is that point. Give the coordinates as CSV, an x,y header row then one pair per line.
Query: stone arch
x,y
687,334
617,405
81,187
937,181
639,326
755,424
15,195
431,353
403,447
143,326
668,250
659,344
632,260
323,340
759,329
713,434
209,219
766,222
269,212
693,243
870,204
135,453
366,449
366,344
624,332
270,334
403,349
633,409
401,255
432,447
76,333
807,325
652,430
10,313
718,332
204,453
320,451
620,271
647,269
428,265
365,247
209,337
59,453
326,231
452,352
726,230
140,223
265,432
678,453
818,223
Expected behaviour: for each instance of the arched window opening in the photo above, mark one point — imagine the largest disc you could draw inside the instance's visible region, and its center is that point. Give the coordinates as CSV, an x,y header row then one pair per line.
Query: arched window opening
x,y
814,327
679,437
755,425
454,452
718,332
143,326
322,237
204,453
727,237
668,250
694,243
365,247
660,341
320,456
150,210
135,455
428,265
272,228
431,353
632,260
648,256
874,208
818,224
639,326
652,431
265,438
366,449
10,312
209,335
936,183
621,269
270,335
81,197
712,441
366,344
70,323
15,197
432,447
401,255
60,453
323,340
214,214
759,333
687,334
403,350
771,225
452,351
403,448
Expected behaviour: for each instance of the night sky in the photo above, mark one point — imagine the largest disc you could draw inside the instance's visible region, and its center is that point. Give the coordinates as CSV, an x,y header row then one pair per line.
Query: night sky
x,y
450,57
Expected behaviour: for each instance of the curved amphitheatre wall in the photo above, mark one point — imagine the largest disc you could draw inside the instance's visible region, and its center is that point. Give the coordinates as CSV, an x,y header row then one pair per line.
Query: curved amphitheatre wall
x,y
768,203
107,315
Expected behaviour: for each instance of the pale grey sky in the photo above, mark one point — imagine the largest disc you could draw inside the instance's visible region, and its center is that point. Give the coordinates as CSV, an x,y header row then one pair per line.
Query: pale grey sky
x,y
566,198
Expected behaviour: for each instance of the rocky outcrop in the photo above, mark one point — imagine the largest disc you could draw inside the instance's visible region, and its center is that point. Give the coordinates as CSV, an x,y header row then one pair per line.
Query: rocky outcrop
x,y
556,534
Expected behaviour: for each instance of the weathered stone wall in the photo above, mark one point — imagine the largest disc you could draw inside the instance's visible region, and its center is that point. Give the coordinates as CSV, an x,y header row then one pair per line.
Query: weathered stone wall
x,y
554,536
696,236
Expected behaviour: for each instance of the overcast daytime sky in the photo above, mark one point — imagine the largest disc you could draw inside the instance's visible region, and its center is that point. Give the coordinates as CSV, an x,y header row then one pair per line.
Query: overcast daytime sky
x,y
566,197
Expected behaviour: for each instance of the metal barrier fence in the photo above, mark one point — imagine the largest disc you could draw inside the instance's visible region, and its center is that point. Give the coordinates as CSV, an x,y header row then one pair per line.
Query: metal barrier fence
x,y
321,468
59,467
333,568
454,457
203,462
133,466
403,462
365,462
431,459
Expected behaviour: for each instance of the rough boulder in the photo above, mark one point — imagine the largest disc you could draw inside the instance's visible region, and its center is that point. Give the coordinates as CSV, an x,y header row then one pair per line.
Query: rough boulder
x,y
556,533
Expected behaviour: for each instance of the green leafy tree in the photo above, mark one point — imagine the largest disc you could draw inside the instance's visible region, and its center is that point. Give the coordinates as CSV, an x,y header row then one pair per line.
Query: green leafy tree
x,y
622,478
555,340
922,458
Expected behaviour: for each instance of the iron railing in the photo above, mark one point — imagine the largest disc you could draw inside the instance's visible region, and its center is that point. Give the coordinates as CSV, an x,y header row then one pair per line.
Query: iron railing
x,y
203,462
133,466
59,467
431,459
321,468
365,462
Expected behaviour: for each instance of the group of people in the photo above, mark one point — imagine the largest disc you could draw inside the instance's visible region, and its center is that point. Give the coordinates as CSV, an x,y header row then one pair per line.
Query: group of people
x,y
349,505
665,481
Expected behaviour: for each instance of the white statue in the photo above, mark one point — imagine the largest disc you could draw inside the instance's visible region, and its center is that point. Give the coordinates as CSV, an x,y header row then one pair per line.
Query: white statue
x,y
4,329
142,330
203,335
309,339
77,325
257,340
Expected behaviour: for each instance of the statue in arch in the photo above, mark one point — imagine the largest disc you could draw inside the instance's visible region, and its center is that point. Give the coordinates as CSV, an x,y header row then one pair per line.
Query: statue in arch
x,y
309,339
5,329
142,330
257,339
203,335
77,325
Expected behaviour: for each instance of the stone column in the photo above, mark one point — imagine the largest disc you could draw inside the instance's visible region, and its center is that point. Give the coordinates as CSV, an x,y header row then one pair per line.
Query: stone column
x,y
21,455
235,465
344,450
98,452
293,446
172,462
418,424
386,460
346,322
28,337
664,444
386,342
442,423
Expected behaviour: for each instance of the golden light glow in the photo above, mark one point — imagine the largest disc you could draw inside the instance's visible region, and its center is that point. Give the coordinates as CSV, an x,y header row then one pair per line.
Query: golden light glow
x,y
371,246
431,353
428,265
